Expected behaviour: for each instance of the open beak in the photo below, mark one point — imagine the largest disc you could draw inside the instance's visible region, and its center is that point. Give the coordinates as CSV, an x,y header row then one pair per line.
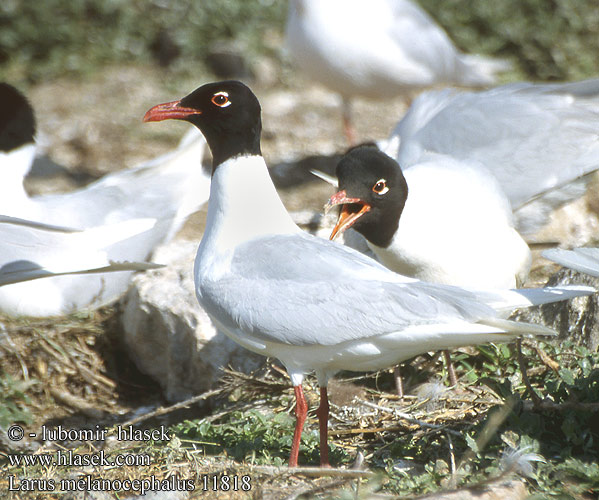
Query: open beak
x,y
169,111
351,210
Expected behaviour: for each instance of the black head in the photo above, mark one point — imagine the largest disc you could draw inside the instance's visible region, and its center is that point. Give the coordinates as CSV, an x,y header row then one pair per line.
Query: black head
x,y
227,113
372,194
17,122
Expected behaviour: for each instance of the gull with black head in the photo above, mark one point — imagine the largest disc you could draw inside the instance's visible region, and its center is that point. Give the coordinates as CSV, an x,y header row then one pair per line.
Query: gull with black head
x,y
312,303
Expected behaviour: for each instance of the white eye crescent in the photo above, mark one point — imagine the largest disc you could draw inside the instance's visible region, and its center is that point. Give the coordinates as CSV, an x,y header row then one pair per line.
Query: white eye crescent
x,y
221,99
380,187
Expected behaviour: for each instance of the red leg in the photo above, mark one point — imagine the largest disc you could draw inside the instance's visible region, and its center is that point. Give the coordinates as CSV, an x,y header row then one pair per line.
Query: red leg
x,y
453,379
323,423
301,410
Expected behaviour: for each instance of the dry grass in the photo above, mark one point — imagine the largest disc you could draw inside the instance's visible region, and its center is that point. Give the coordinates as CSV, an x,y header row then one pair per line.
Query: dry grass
x,y
82,379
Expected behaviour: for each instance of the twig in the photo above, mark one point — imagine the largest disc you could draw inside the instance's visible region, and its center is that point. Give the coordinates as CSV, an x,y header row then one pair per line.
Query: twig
x,y
493,423
77,403
311,491
15,351
313,471
451,455
368,430
547,361
255,403
66,358
407,417
163,410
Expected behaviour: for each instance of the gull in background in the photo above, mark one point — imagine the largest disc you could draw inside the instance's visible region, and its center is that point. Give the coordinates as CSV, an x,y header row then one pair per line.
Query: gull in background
x,y
538,141
33,250
378,49
158,196
479,168
312,303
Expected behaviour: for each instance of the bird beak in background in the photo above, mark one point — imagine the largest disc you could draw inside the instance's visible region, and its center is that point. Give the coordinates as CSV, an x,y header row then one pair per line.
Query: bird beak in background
x,y
351,210
169,111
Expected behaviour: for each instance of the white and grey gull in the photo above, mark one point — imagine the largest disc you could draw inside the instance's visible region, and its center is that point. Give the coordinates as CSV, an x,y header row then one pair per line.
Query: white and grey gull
x,y
32,250
378,49
145,206
539,142
479,171
312,303
482,170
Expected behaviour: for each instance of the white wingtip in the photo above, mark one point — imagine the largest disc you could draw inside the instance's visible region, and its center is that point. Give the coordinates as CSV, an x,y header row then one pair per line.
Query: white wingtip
x,y
508,300
519,328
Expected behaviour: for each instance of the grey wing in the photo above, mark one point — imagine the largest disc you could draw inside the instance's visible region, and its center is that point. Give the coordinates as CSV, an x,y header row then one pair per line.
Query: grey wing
x,y
7,219
423,40
533,138
301,290
585,260
171,186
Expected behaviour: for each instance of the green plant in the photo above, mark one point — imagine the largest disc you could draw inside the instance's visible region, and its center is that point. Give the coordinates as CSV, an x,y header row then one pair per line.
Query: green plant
x,y
57,37
13,401
254,436
546,39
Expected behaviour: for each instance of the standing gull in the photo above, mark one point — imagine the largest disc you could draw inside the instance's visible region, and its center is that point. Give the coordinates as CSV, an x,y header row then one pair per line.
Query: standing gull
x,y
377,49
313,304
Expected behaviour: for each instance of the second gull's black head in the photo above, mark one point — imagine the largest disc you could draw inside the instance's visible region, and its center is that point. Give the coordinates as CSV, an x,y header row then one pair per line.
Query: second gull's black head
x,y
372,194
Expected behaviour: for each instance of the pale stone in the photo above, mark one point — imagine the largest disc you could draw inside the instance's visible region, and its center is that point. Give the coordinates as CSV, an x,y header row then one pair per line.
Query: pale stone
x,y
168,334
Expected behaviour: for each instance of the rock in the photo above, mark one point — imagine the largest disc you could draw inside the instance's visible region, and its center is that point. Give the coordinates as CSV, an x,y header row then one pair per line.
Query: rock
x,y
576,319
509,490
168,334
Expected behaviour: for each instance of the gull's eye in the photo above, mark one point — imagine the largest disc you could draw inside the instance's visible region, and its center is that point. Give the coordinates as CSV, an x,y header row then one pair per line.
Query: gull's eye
x,y
221,99
380,187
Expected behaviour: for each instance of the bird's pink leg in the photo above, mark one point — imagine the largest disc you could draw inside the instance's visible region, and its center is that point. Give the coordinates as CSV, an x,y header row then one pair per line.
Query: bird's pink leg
x,y
301,411
453,379
323,423
398,381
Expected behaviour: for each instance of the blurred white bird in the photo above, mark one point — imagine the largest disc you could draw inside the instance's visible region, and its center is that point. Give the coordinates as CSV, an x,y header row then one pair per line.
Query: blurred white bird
x,y
538,141
36,251
377,49
165,190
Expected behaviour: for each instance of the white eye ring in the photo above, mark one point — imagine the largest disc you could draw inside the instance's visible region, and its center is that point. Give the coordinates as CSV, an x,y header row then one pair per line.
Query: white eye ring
x,y
221,94
383,190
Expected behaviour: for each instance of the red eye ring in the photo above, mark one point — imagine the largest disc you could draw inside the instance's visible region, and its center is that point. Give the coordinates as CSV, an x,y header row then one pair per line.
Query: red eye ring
x,y
221,99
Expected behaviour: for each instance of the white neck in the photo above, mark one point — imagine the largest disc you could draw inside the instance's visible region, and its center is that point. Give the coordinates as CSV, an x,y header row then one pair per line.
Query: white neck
x,y
243,205
15,166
